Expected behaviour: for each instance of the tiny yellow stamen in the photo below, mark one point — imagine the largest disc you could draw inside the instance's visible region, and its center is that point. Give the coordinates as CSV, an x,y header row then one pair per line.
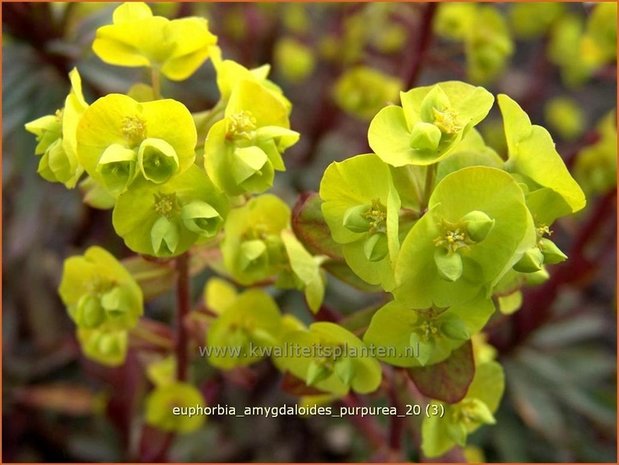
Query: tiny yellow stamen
x,y
241,125
134,130
166,204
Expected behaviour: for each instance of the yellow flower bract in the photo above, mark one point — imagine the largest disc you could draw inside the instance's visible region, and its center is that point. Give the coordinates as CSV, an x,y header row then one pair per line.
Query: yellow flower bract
x,y
137,38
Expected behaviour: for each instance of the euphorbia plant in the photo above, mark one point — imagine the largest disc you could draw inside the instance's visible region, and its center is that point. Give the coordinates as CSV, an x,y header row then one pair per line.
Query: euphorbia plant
x,y
433,220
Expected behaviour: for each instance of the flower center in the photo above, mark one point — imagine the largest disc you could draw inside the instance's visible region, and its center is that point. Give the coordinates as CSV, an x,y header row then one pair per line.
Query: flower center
x,y
543,230
446,120
453,238
166,204
134,130
241,125
376,216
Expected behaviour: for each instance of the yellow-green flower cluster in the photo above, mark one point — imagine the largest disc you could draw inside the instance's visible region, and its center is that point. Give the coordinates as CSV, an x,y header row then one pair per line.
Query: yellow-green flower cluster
x,y
485,35
104,301
56,137
176,47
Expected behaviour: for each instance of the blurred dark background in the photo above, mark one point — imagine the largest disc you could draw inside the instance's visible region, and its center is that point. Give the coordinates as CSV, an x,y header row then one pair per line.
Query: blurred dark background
x,y
559,350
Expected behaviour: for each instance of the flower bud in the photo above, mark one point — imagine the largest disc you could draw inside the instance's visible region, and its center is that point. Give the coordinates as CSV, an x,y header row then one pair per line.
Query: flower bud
x,y
552,253
531,261
55,165
90,313
478,225
201,218
449,264
355,220
107,347
478,412
164,237
425,136
48,130
117,167
375,247
157,160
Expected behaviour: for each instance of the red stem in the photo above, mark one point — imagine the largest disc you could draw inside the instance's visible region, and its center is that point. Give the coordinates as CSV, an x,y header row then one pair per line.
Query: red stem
x,y
183,307
397,423
366,425
422,44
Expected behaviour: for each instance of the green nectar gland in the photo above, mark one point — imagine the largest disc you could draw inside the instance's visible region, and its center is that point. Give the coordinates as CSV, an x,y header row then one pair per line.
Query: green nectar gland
x,y
366,218
134,130
551,253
